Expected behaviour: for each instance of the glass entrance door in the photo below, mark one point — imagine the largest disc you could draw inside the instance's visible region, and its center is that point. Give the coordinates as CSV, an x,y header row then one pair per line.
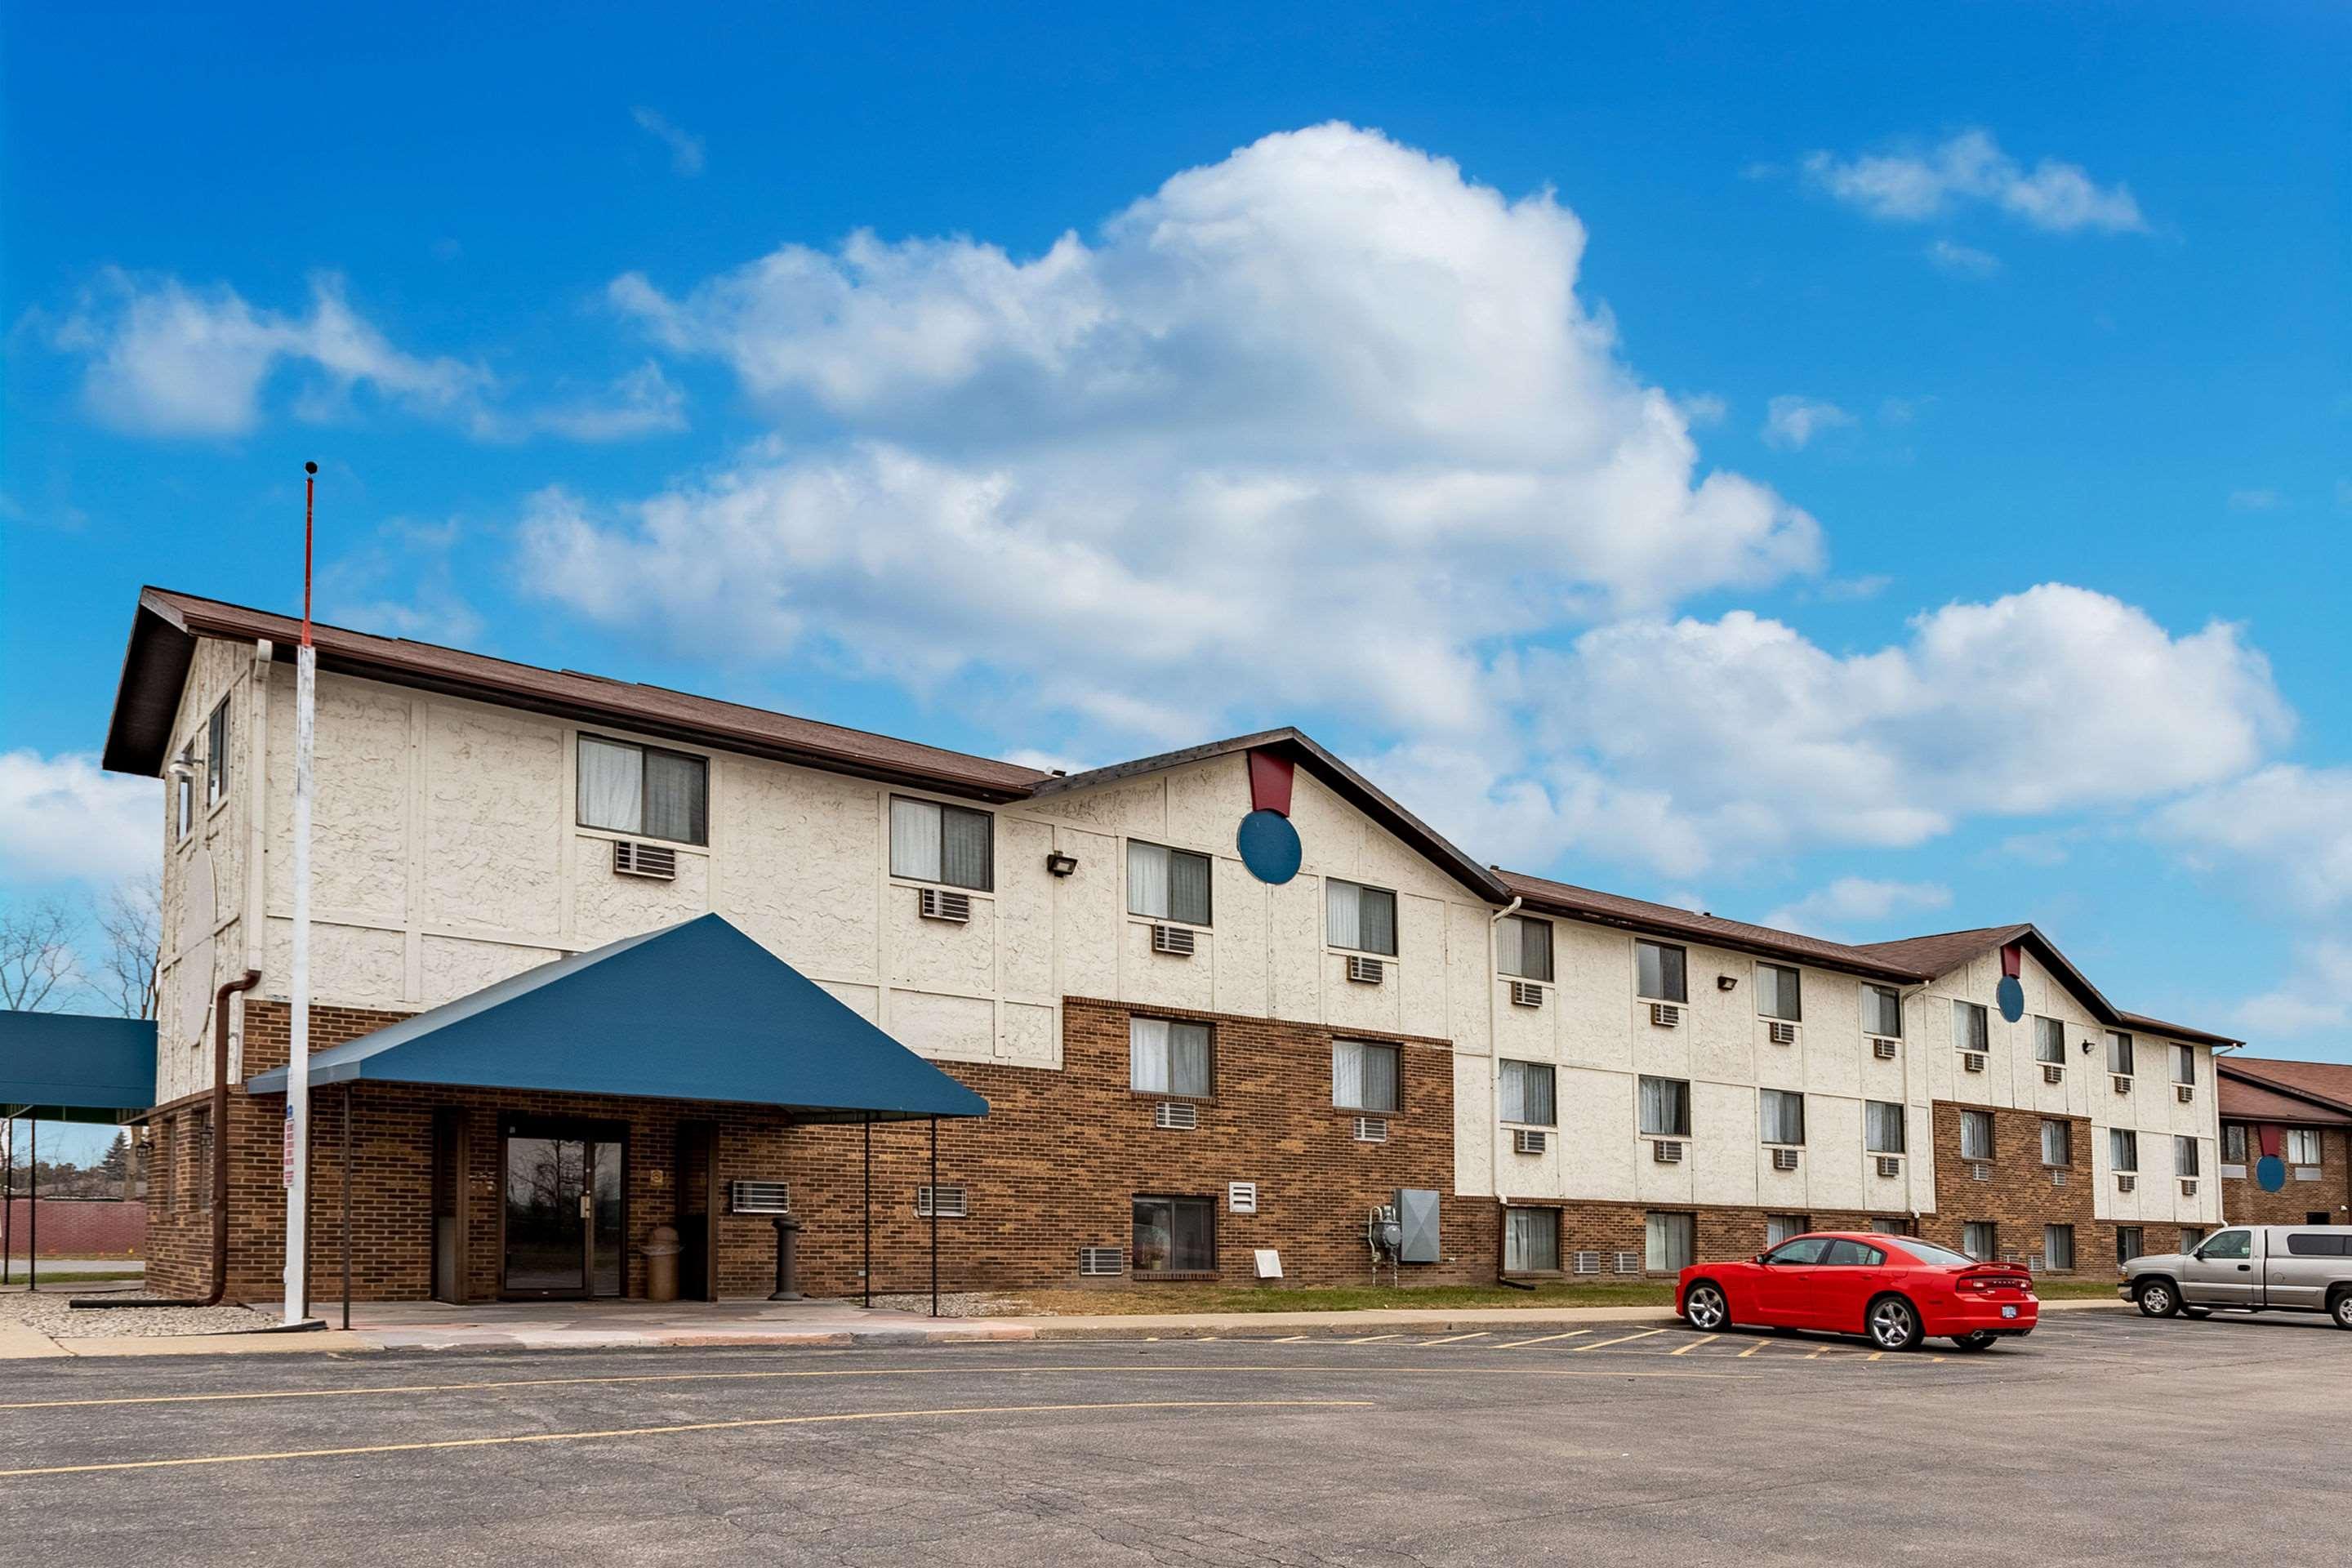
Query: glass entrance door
x,y
564,1212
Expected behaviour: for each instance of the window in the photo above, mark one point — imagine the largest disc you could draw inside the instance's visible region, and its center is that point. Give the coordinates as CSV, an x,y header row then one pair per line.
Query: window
x,y
2190,1235
1666,1107
1882,1126
1937,1257
1364,1076
1530,1241
2315,1246
1523,947
2234,1142
184,801
1526,1092
1844,1254
2229,1244
1882,1011
2128,1243
1658,972
626,788
216,756
1175,1235
1777,992
1886,1227
1968,1026
1976,1134
2119,1053
2058,1248
952,844
1800,1254
2048,1041
1780,1227
1167,884
2057,1143
1363,919
2184,1156
1671,1242
1165,1056
2302,1146
2184,1065
1980,1240
1783,1116
200,1179
2123,1149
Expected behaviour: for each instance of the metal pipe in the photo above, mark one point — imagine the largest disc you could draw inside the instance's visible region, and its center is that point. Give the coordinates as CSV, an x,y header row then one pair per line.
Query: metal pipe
x,y
346,1205
935,1217
33,1207
867,1271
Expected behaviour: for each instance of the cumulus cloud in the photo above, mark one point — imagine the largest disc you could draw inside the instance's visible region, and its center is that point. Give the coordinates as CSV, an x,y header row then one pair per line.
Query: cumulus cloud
x,y
2283,833
1917,185
1966,261
644,402
1792,422
2314,998
685,151
1851,902
61,818
1315,422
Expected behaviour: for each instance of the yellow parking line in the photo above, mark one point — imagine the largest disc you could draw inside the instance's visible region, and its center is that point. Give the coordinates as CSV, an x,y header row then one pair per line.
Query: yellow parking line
x,y
1751,1349
672,1431
1878,1355
1624,1339
1452,1339
1371,1339
1514,1344
1685,1350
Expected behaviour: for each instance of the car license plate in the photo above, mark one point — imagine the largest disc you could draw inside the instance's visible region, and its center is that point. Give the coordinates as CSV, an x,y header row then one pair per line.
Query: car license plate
x,y
2009,1311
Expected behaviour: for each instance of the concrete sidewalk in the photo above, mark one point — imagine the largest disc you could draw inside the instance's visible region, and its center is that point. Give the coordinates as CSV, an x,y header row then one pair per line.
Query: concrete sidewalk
x,y
638,1325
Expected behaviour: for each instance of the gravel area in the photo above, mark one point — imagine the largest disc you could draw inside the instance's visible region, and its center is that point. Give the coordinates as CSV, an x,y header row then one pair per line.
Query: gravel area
x,y
956,1304
47,1312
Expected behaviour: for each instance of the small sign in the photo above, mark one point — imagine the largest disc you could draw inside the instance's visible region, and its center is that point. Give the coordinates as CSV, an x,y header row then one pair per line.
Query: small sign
x,y
286,1150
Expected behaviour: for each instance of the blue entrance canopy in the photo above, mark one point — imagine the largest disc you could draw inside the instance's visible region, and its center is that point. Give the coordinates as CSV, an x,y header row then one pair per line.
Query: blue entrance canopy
x,y
68,1066
695,1011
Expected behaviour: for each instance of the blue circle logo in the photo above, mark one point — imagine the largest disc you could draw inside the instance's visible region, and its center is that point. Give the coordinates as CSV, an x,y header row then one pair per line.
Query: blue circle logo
x,y
2012,997
1269,846
2269,1173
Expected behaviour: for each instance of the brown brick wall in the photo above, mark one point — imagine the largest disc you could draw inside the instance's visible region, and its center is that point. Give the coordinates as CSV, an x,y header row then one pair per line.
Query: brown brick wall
x,y
2243,1202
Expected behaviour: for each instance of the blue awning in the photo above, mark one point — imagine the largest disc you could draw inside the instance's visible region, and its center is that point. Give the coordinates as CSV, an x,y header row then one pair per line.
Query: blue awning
x,y
695,1011
67,1067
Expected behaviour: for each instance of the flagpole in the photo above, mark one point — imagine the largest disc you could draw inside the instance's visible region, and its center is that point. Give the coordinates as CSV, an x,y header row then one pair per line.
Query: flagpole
x,y
296,1153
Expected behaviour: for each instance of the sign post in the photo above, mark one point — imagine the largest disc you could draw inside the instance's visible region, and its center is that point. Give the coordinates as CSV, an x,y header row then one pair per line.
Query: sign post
x,y
297,1064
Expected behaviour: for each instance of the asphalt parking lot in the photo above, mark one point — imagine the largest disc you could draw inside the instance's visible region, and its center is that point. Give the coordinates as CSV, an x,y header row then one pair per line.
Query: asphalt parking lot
x,y
2102,1437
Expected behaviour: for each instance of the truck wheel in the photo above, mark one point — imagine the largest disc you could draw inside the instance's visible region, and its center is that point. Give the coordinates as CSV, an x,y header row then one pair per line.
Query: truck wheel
x,y
2156,1299
2339,1307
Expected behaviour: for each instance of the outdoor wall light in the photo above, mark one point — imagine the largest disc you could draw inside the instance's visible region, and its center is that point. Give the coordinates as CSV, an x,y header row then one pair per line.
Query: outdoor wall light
x,y
184,766
1060,865
1726,982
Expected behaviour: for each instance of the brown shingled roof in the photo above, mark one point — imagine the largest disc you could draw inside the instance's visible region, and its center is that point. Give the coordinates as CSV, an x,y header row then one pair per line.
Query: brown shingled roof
x,y
2242,1100
2330,1083
1946,950
1612,909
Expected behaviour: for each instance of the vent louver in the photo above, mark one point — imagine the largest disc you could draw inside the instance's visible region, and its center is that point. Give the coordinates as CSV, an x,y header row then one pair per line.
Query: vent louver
x,y
1100,1262
1665,1015
1784,1159
1371,1129
1366,970
1526,993
1667,1152
1882,1048
633,860
1527,1141
1176,1116
1176,941
942,904
1783,1034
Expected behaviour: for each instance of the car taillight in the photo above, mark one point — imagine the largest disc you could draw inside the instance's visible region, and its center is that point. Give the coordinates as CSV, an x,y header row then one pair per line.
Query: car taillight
x,y
1993,1282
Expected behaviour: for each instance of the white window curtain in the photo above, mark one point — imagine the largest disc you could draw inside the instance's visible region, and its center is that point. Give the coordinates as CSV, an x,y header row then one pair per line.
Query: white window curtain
x,y
1968,1025
1523,947
1146,880
2057,1143
1780,1227
1364,1076
2119,1053
2234,1142
1883,1011
1975,1135
2049,1040
1666,1107
1777,992
1363,919
2123,1149
2184,1156
1527,1093
1783,1116
2302,1145
1670,1242
1530,1240
1883,1126
612,786
1978,1240
2058,1247
1164,1056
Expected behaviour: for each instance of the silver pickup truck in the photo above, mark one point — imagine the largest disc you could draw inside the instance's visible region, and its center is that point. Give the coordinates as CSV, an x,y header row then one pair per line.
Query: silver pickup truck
x,y
2250,1268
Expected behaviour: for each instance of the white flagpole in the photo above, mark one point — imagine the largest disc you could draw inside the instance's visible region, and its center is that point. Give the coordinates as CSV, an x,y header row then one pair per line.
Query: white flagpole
x,y
298,1065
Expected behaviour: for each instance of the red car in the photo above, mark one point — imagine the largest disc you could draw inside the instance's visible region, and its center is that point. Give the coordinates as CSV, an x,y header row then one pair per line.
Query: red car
x,y
1897,1290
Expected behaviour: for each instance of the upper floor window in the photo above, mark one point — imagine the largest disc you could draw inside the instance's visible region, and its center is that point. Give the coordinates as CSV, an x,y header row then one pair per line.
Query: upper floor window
x,y
1167,884
1882,1126
1976,1134
2049,1040
1658,972
1666,1107
1527,1093
2123,1149
1361,917
1165,1055
2234,1142
2303,1145
2119,1053
184,798
949,844
216,756
1523,947
1969,1027
629,788
1882,1011
1364,1076
1782,1116
2184,1064
2057,1143
1777,992
2184,1156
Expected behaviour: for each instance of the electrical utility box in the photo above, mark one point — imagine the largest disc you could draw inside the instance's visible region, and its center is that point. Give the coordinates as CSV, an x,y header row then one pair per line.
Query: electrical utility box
x,y
1416,1211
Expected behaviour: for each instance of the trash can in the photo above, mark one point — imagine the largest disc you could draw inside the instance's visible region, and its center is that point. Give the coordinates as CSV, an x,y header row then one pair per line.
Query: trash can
x,y
660,1252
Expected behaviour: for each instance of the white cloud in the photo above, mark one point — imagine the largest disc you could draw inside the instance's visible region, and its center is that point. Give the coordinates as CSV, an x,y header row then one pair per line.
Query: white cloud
x,y
1913,185
1850,903
1966,261
2314,998
1314,423
642,403
1792,422
2256,501
61,818
2285,833
685,151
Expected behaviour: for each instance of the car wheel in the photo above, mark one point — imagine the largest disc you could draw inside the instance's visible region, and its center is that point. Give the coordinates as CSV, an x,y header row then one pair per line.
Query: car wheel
x,y
2156,1299
1893,1323
2340,1308
1704,1309
1982,1340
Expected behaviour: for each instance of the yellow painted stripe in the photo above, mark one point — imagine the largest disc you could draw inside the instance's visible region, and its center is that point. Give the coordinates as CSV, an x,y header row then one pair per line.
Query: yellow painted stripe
x,y
1541,1339
1878,1355
1685,1350
1753,1349
1452,1339
1621,1340
683,1428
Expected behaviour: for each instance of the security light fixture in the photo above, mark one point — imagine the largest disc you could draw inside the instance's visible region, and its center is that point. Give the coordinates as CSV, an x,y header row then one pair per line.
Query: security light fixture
x,y
1726,982
1060,865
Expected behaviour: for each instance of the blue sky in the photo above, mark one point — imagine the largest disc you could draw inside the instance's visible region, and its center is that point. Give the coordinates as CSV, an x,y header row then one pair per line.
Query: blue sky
x,y
1886,471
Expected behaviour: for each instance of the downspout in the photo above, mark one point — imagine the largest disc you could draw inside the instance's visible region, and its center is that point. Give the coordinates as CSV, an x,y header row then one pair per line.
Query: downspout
x,y
1495,1096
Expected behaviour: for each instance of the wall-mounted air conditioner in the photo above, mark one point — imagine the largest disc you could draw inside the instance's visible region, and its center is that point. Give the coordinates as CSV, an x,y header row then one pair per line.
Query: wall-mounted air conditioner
x,y
1527,1141
1667,1152
1972,1061
2184,1092
951,1203
2123,1083
1101,1262
1782,1033
942,904
1584,1263
1176,1116
1979,1171
2125,1182
1175,942
1784,1159
1883,1049
1890,1165
2058,1178
1371,1129
758,1197
633,860
2053,1073
2188,1186
1366,970
1526,993
1665,1015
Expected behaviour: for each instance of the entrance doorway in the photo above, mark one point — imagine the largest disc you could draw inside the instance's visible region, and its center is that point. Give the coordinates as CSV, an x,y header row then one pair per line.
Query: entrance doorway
x,y
564,1220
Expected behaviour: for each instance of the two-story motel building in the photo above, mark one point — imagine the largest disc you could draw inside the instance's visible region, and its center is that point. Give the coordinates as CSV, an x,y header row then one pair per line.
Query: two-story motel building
x,y
1219,1001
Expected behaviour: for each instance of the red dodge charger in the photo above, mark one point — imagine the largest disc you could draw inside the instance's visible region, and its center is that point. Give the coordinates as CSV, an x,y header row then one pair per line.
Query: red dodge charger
x,y
1897,1290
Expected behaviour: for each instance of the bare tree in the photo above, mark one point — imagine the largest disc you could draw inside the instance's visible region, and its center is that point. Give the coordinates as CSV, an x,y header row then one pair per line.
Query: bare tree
x,y
131,922
37,956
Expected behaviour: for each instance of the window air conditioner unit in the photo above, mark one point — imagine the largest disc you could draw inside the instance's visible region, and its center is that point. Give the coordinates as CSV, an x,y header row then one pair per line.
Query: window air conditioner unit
x,y
2125,1182
1890,1165
2053,1073
2122,1083
1784,1034
1371,1129
1883,1049
1628,1262
1101,1262
2058,1178
1527,1141
1979,1171
2188,1186
1584,1263
1665,1015
1972,1061
942,1203
1667,1152
1784,1159
633,860
1176,941
1365,970
758,1197
939,904
1176,1116
1526,993
2184,1092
